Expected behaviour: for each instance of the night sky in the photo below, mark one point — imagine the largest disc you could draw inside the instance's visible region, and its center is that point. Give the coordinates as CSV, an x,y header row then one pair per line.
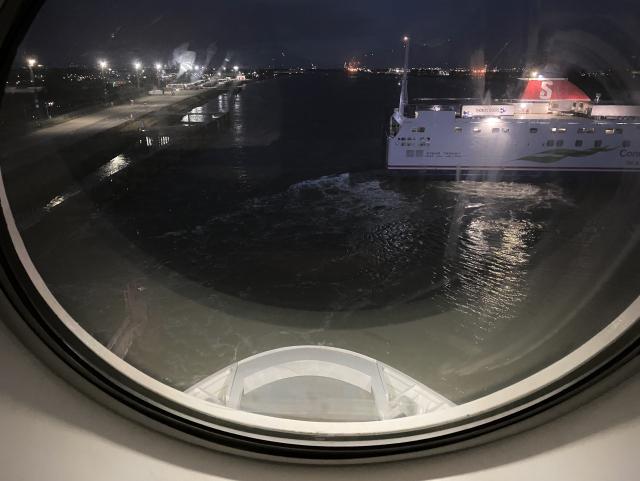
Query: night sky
x,y
447,33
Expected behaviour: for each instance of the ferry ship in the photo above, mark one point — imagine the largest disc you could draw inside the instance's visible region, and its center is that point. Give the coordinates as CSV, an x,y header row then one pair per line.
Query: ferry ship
x,y
554,128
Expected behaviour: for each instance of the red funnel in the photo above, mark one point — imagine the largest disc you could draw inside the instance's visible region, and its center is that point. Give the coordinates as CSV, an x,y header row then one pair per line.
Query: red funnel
x,y
552,89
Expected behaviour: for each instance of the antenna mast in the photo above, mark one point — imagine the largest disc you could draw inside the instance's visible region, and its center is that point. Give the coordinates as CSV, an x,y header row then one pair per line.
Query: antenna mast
x,y
404,96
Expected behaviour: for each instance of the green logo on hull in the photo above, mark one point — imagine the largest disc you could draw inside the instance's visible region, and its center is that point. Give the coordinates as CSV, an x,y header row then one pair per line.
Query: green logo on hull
x,y
556,155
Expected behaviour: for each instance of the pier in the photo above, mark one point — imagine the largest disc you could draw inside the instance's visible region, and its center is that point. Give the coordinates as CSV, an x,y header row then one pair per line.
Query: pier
x,y
104,155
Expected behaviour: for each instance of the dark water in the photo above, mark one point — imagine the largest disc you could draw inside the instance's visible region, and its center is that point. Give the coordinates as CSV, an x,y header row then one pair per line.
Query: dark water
x,y
285,231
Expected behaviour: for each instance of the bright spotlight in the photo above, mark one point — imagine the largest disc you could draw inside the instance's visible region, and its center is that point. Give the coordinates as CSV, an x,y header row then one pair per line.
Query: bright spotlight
x,y
137,65
158,66
103,64
406,38
31,62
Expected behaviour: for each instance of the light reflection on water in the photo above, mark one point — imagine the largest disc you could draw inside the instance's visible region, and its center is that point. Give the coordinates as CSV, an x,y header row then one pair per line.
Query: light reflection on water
x,y
107,170
339,244
209,111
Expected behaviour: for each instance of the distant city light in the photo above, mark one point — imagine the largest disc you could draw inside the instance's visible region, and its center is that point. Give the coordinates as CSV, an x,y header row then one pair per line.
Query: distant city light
x,y
235,68
535,74
158,66
103,64
137,65
31,63
406,38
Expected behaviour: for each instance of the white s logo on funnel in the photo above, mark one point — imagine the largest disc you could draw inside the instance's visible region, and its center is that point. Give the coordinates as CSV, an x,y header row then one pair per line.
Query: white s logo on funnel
x,y
546,90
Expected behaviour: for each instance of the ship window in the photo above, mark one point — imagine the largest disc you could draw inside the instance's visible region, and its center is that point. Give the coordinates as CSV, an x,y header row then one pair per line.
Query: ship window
x,y
506,131
241,304
495,131
578,143
609,131
591,131
574,104
619,131
562,131
582,130
597,143
626,143
554,130
477,130
550,143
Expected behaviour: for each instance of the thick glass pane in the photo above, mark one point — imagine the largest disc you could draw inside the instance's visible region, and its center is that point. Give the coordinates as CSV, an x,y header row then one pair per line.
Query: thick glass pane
x,y
330,211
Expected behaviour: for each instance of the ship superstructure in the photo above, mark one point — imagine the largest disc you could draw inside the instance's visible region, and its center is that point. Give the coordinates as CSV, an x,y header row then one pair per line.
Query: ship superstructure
x,y
553,127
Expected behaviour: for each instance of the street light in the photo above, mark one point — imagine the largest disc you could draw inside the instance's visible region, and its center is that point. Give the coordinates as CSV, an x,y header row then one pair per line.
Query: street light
x,y
103,64
137,65
158,76
47,105
31,63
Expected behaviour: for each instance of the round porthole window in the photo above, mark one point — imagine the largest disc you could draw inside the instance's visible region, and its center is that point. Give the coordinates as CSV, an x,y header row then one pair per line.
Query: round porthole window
x,y
220,214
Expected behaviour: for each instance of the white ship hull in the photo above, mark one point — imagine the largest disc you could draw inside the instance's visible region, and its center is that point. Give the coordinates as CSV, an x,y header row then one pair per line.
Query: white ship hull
x,y
437,141
553,129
